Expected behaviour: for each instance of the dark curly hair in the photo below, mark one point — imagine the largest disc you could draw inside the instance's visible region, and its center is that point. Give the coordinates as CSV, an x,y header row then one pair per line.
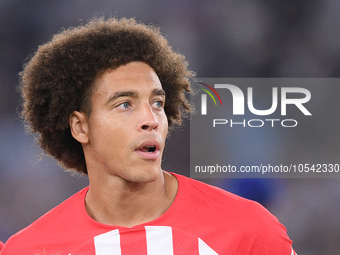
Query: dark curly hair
x,y
59,77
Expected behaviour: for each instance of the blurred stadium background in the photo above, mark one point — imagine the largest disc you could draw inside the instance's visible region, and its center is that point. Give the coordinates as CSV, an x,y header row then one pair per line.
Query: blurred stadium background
x,y
259,38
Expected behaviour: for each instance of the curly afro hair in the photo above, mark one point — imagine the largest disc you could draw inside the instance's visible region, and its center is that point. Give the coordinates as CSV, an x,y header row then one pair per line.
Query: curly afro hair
x,y
58,79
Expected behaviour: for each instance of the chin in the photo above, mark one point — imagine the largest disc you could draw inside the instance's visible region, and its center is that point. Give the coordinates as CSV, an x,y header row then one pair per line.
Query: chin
x,y
148,175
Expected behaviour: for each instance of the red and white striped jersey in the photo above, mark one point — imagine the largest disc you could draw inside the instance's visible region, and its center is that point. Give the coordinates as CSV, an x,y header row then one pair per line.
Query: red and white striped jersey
x,y
147,240
202,220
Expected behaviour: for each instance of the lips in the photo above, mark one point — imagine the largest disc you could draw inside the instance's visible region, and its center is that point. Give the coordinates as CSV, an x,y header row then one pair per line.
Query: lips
x,y
149,149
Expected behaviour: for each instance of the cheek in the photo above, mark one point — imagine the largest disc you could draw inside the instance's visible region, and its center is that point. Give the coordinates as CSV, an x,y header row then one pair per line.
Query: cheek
x,y
105,130
164,124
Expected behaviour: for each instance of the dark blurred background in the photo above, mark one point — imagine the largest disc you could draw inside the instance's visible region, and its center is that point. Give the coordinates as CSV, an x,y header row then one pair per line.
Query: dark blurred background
x,y
258,38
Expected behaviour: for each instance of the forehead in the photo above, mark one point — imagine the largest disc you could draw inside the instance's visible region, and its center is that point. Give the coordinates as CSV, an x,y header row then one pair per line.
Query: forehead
x,y
134,75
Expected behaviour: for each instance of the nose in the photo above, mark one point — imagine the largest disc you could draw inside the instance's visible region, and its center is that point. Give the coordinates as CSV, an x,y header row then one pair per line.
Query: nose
x,y
148,119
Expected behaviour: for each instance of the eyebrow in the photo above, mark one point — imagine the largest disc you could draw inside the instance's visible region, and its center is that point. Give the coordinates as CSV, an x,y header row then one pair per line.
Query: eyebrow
x,y
155,92
158,92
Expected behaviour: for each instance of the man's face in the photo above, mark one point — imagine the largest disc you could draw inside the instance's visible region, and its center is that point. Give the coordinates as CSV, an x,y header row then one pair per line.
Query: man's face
x,y
127,127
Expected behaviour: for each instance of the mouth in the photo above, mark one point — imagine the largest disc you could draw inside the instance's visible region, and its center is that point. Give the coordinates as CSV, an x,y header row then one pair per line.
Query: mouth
x,y
149,149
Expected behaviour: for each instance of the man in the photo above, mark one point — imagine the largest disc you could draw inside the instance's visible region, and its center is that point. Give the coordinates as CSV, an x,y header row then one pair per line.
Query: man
x,y
101,97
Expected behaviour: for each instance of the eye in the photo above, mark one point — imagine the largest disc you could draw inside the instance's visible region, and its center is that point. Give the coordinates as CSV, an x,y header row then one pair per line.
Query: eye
x,y
124,105
159,104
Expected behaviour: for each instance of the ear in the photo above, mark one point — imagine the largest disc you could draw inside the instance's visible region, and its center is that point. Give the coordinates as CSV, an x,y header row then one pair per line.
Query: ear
x,y
79,127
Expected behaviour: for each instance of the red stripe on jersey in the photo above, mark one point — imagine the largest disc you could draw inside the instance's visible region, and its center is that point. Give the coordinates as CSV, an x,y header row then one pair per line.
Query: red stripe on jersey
x,y
133,242
184,243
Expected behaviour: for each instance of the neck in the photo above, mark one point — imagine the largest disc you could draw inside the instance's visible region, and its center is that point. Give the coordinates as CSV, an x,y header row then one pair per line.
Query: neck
x,y
122,203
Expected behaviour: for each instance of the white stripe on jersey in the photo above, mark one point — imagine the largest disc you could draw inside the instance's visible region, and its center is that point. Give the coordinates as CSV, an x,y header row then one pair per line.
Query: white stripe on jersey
x,y
204,249
159,239
108,243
